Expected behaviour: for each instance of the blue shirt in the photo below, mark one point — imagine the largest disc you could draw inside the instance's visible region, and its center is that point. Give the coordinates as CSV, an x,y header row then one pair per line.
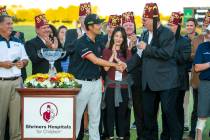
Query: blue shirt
x,y
65,64
80,67
203,56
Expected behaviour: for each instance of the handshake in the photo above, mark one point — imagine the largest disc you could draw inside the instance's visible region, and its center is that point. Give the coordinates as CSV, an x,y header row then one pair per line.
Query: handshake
x,y
120,66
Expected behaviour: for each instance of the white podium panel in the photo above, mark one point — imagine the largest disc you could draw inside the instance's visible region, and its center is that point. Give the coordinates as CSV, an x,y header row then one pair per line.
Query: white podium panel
x,y
48,117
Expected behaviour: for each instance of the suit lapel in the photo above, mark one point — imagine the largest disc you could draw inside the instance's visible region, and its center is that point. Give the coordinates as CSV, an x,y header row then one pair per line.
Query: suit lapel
x,y
40,42
145,37
158,32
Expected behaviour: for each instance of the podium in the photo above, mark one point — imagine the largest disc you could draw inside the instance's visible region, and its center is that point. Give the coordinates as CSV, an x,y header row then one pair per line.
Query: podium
x,y
48,114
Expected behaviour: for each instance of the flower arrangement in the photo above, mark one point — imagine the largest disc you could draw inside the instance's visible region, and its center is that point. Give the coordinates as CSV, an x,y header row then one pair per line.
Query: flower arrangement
x,y
60,80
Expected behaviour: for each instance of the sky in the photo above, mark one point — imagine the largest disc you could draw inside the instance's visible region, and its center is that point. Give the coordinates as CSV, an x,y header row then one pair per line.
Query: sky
x,y
108,7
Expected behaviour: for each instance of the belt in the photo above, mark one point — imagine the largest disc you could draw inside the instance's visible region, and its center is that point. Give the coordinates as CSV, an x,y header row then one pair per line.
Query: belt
x,y
8,78
89,79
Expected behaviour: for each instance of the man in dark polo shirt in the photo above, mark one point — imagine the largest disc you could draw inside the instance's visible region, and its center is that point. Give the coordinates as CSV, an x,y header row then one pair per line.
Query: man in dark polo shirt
x,y
85,66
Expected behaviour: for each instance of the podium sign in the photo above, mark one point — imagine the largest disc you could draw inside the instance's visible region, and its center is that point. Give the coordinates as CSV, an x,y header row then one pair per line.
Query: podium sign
x,y
48,114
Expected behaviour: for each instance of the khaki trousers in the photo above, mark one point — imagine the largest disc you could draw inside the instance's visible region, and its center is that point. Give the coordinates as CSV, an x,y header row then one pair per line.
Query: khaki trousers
x,y
10,106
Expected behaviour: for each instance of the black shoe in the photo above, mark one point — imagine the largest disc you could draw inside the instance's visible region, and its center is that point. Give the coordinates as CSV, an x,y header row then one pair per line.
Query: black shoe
x,y
186,129
104,137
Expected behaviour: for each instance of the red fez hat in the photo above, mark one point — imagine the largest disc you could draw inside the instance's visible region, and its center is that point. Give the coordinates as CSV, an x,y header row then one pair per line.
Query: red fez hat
x,y
151,10
40,20
175,18
84,9
3,11
206,20
128,17
114,20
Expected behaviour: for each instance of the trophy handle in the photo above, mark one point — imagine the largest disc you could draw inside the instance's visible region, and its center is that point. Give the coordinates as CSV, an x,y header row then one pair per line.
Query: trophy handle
x,y
39,53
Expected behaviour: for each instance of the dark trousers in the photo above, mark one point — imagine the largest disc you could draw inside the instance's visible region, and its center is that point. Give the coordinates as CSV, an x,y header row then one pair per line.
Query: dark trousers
x,y
194,116
116,116
102,126
180,113
168,100
138,110
128,122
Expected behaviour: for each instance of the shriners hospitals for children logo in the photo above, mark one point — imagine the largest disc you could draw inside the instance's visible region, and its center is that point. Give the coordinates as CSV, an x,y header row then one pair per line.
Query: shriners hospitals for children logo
x,y
48,111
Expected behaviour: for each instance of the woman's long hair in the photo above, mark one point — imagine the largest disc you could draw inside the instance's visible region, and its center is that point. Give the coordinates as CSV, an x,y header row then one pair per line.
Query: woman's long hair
x,y
58,32
54,30
124,45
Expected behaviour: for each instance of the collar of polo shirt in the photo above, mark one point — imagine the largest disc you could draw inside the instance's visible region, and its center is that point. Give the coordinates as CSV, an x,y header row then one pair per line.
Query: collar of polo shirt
x,y
10,38
90,39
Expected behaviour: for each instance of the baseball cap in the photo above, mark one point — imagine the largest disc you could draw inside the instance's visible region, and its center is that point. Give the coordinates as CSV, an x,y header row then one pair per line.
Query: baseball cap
x,y
93,19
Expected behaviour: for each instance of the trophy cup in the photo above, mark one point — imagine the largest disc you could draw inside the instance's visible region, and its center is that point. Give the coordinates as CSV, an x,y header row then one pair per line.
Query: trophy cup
x,y
51,56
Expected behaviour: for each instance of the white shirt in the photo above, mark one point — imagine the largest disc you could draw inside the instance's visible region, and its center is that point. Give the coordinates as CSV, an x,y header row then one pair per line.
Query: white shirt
x,y
150,37
139,51
42,40
128,41
10,51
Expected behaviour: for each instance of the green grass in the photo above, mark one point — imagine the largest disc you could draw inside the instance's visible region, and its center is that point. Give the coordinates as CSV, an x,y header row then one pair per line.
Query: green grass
x,y
30,33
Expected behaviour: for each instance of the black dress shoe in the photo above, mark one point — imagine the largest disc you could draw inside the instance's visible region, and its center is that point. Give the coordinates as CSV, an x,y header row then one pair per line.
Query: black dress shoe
x,y
186,129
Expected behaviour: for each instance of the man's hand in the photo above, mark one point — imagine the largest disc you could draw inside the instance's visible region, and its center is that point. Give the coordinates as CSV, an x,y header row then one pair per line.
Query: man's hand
x,y
55,44
121,66
133,41
142,45
133,38
6,64
51,43
20,64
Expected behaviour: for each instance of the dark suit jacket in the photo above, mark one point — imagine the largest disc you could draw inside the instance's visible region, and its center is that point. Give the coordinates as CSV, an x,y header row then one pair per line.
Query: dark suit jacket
x,y
104,39
71,36
136,72
182,55
39,65
159,69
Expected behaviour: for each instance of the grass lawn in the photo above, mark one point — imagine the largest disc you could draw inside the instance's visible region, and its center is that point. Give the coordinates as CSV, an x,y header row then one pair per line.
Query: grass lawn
x,y
30,33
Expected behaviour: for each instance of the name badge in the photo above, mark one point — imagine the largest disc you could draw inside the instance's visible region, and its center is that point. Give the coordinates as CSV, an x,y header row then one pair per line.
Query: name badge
x,y
118,76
